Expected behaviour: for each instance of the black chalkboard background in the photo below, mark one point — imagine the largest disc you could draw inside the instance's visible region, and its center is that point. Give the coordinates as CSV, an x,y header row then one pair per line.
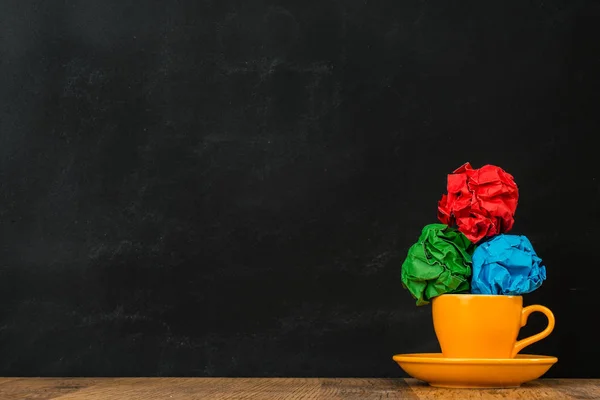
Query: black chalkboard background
x,y
229,188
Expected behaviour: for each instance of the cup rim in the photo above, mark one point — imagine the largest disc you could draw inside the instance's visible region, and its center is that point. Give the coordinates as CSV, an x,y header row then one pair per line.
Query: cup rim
x,y
479,295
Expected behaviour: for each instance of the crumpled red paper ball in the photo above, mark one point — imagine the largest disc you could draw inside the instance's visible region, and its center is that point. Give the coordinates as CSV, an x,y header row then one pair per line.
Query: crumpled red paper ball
x,y
482,202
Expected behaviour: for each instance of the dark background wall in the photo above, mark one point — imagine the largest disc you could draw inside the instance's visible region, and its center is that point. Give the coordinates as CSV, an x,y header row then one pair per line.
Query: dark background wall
x,y
229,188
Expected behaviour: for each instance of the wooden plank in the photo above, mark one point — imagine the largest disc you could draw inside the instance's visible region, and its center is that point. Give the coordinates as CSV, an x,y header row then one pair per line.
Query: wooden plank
x,y
42,388
6,380
575,388
277,388
245,388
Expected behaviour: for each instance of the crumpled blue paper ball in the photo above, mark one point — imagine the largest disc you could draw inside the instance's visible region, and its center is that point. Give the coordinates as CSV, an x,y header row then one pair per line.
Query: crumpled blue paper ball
x,y
506,265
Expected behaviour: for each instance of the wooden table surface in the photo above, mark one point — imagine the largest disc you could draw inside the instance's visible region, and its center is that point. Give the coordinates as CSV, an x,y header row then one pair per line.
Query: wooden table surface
x,y
277,388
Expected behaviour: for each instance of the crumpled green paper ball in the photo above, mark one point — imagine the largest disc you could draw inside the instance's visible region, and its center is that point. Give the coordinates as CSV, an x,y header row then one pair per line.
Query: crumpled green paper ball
x,y
440,262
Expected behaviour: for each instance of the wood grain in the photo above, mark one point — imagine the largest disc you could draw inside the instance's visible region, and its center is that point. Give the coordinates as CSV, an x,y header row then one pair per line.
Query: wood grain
x,y
277,388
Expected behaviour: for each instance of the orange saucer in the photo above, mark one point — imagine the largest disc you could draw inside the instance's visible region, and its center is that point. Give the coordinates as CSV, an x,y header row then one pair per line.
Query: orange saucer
x,y
439,371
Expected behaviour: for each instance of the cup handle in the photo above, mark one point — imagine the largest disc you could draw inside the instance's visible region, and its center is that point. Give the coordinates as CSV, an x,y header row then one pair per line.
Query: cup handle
x,y
539,336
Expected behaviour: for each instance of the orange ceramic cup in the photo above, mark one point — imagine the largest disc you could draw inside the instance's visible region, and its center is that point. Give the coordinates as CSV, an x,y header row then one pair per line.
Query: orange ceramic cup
x,y
483,326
